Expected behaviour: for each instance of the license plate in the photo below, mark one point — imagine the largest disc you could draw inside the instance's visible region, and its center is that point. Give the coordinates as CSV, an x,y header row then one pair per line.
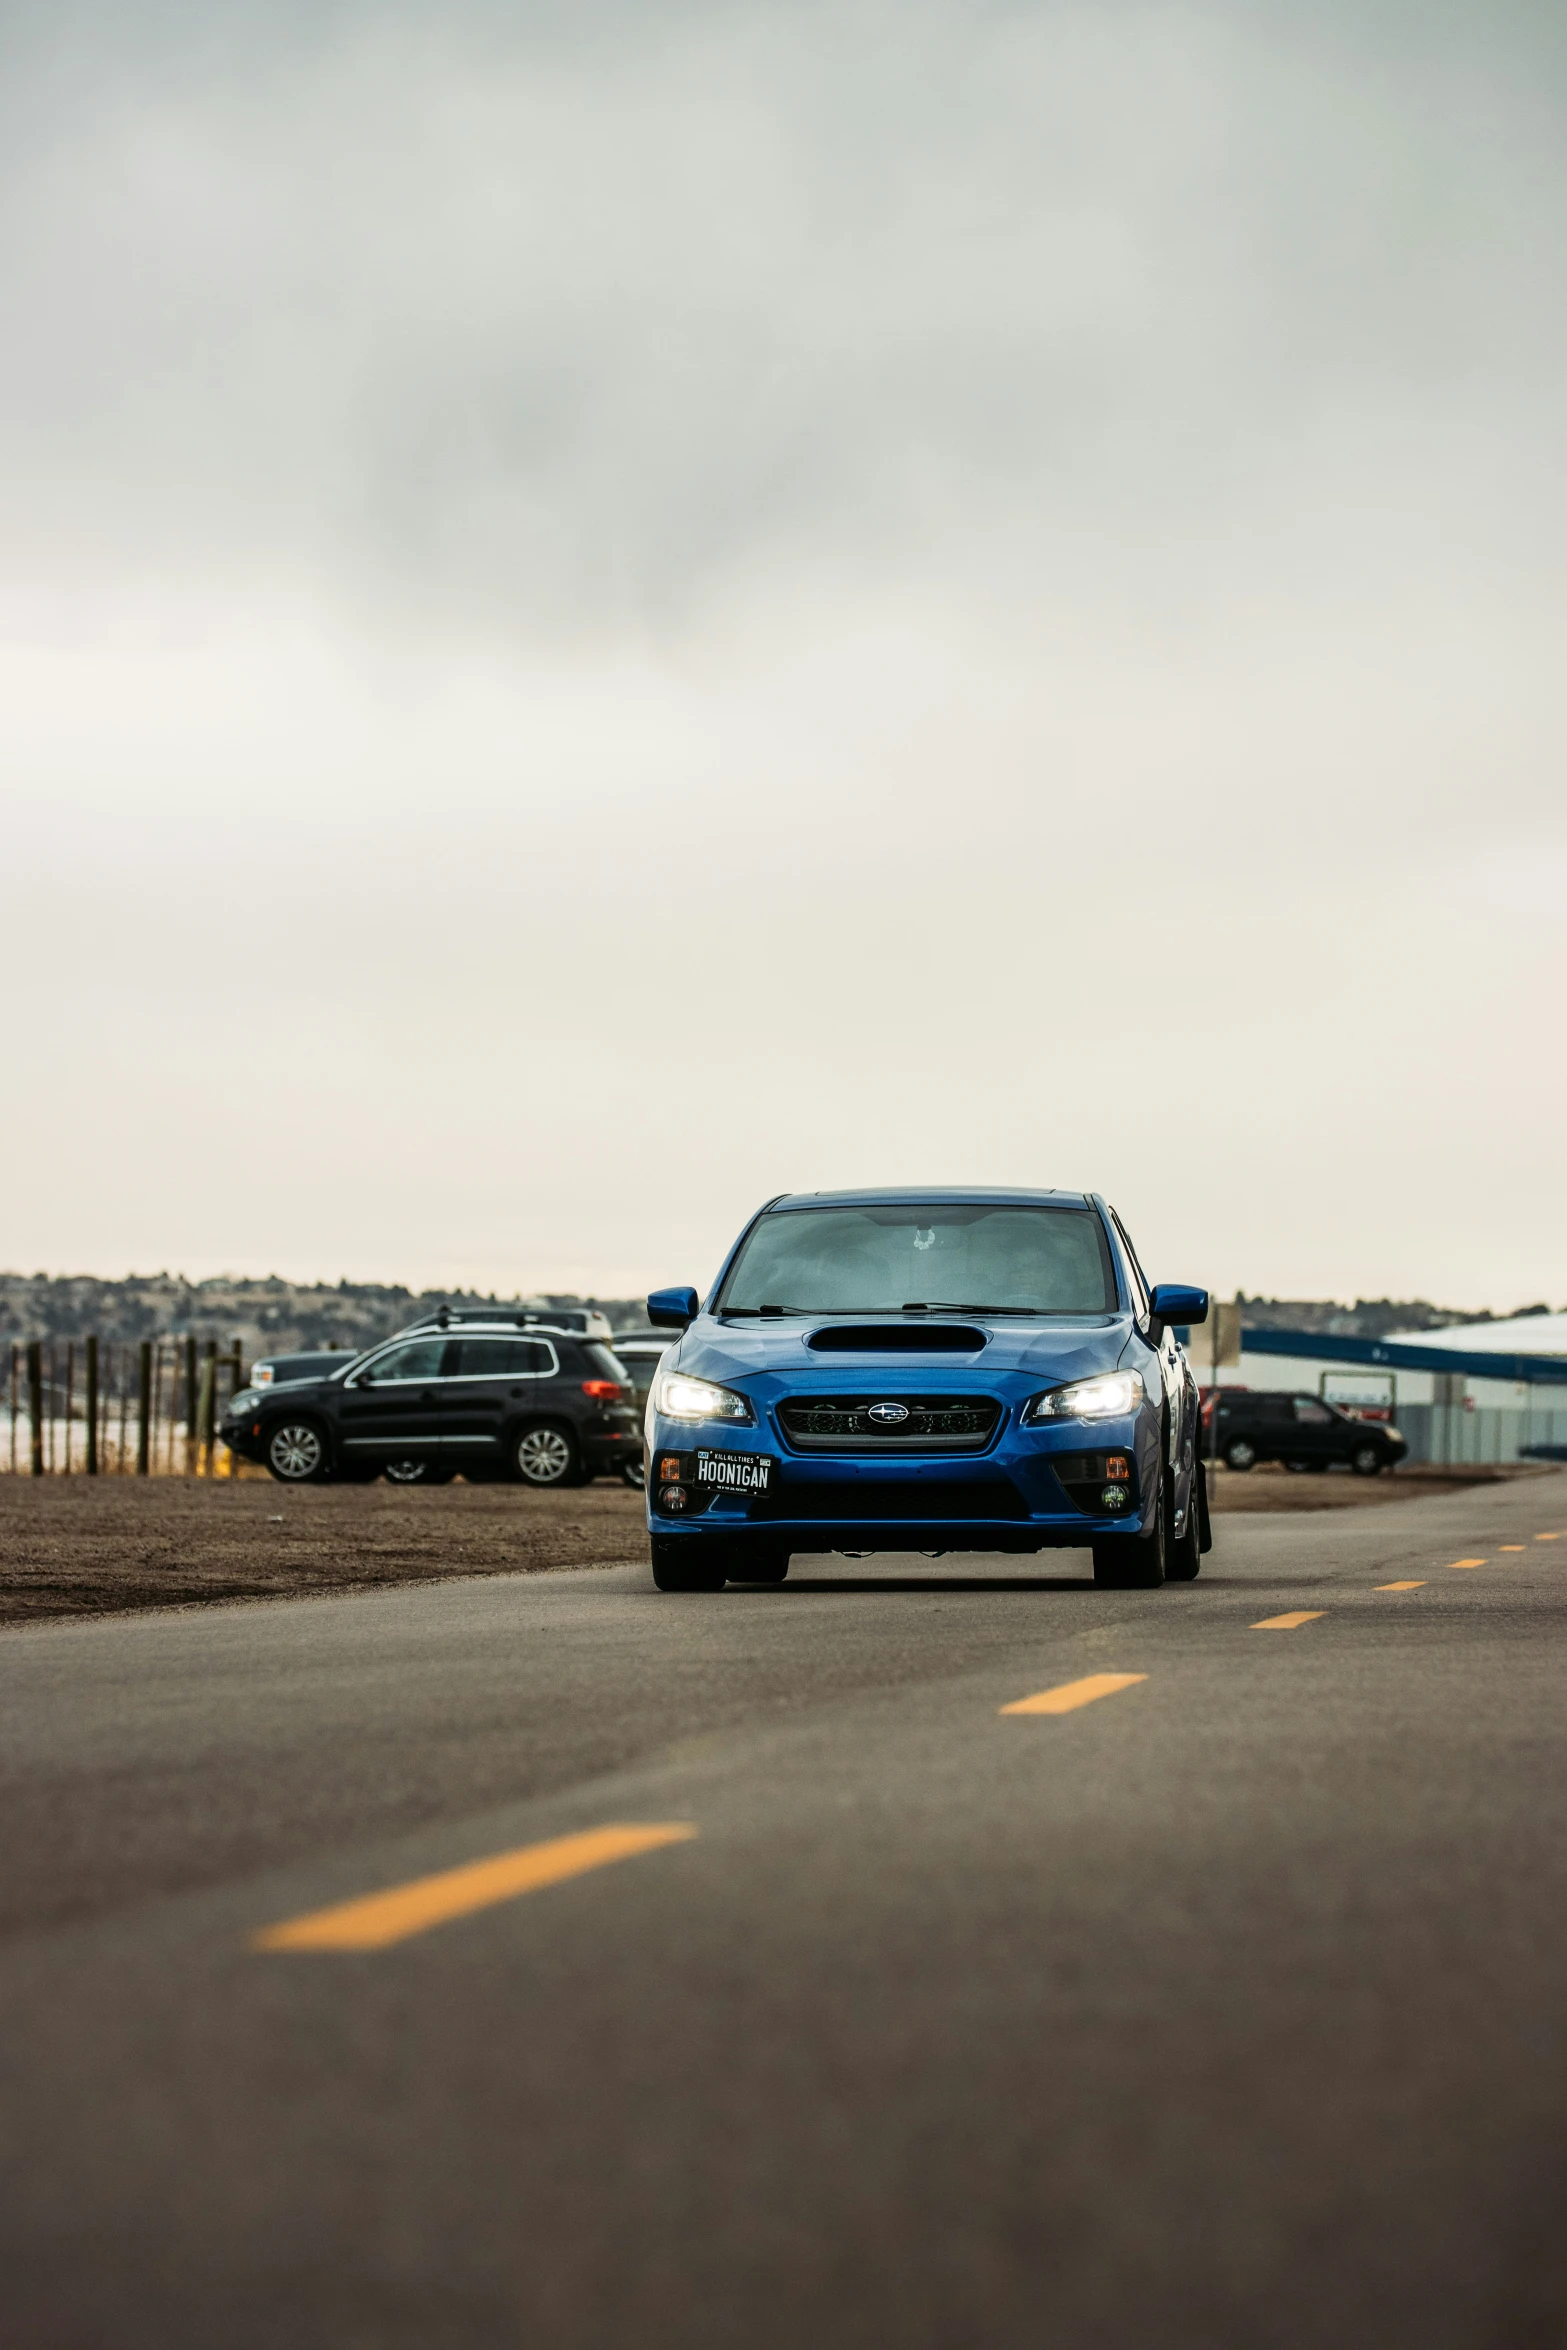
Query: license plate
x,y
734,1472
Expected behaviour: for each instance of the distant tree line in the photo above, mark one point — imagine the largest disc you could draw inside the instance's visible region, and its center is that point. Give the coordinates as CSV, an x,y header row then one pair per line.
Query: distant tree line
x,y
270,1316
1368,1317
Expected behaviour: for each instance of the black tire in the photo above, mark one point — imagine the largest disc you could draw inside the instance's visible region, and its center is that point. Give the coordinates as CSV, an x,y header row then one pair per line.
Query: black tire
x,y
1239,1454
296,1452
1367,1460
689,1562
1134,1562
1183,1552
415,1472
634,1473
545,1456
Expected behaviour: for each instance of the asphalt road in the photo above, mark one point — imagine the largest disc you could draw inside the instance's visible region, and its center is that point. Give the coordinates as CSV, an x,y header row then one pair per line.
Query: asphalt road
x,y
1223,2009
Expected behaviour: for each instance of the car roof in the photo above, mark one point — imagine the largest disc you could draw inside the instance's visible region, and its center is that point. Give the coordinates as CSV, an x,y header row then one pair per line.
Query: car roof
x,y
931,1195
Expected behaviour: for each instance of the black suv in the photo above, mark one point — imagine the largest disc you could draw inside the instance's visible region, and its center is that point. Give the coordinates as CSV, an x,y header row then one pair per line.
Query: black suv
x,y
490,1395
1304,1433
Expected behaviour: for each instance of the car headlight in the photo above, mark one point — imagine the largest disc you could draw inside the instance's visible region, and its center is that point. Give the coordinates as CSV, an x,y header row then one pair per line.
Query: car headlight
x,y
683,1398
1109,1397
246,1401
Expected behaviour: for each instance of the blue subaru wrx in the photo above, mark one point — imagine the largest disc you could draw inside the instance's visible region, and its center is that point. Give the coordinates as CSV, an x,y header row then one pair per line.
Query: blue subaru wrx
x,y
926,1370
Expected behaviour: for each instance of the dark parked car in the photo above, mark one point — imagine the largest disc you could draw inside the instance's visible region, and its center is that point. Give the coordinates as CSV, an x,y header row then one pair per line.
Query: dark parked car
x,y
492,1398
1304,1433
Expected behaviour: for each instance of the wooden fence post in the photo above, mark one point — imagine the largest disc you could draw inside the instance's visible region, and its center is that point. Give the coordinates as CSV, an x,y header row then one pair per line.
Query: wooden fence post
x,y
35,1402
206,1408
192,1376
144,1410
92,1406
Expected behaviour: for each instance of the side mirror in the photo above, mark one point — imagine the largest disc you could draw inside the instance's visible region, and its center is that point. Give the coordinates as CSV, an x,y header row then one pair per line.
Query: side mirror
x,y
673,1309
1173,1302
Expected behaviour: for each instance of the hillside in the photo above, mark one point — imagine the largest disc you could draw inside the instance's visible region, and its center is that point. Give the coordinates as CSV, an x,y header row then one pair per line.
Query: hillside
x,y
267,1316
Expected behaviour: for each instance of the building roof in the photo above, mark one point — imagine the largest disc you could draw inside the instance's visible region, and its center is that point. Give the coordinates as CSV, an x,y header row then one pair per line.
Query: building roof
x,y
1521,1334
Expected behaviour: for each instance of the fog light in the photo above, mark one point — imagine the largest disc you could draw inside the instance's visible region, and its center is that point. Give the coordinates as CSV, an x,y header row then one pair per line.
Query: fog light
x,y
1114,1497
672,1497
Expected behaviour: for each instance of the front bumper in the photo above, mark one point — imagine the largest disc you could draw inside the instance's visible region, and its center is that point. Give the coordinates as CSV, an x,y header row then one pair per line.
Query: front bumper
x,y
1024,1493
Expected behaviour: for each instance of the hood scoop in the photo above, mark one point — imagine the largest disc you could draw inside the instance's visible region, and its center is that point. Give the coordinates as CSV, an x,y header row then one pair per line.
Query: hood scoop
x,y
897,1338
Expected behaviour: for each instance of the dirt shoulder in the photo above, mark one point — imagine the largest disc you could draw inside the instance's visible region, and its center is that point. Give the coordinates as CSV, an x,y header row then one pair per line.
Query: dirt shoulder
x,y
82,1546
1270,1486
74,1546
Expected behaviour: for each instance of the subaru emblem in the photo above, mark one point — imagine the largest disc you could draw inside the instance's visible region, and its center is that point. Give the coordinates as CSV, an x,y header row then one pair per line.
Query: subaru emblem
x,y
888,1415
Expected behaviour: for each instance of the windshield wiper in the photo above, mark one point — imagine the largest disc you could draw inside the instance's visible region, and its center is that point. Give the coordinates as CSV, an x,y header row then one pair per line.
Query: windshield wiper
x,y
922,1305
952,1305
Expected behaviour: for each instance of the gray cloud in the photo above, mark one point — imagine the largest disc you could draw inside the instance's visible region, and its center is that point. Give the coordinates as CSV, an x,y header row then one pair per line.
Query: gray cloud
x,y
1050,518
584,312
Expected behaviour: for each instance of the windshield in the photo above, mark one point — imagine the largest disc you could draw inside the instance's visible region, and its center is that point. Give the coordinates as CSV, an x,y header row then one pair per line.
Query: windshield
x,y
876,1260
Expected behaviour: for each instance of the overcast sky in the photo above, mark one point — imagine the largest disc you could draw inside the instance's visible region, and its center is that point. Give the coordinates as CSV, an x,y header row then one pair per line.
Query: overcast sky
x,y
607,611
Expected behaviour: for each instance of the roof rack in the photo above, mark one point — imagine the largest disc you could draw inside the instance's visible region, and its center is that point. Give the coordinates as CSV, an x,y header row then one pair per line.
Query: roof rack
x,y
565,1321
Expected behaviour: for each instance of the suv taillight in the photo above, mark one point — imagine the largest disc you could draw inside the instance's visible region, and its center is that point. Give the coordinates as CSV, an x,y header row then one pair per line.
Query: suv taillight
x,y
603,1390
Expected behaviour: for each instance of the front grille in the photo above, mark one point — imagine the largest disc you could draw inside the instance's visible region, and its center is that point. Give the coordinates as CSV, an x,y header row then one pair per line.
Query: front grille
x,y
935,1423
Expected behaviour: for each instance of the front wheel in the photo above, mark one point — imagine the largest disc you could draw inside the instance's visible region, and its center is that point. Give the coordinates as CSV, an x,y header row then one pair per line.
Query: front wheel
x,y
1240,1455
1134,1562
296,1452
545,1455
1366,1460
1183,1558
634,1473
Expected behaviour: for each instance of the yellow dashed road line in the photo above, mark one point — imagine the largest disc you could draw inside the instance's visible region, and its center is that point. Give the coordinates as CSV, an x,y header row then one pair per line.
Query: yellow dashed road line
x,y
1071,1694
1289,1623
383,1918
1459,1564
1401,1586
1549,1537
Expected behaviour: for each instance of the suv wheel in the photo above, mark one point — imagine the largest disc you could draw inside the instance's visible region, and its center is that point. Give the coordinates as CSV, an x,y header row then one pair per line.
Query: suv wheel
x,y
545,1455
634,1473
689,1562
1366,1460
296,1452
1238,1454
